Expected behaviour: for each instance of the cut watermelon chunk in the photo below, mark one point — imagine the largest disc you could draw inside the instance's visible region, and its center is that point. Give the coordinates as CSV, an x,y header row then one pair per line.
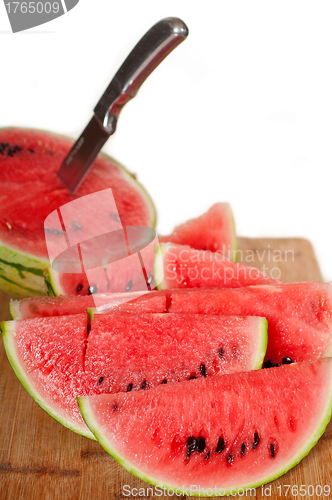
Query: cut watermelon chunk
x,y
47,355
299,314
218,435
214,231
56,360
180,266
31,190
39,307
147,350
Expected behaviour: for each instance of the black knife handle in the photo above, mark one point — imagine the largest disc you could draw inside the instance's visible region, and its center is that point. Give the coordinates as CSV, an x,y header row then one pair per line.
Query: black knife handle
x,y
150,51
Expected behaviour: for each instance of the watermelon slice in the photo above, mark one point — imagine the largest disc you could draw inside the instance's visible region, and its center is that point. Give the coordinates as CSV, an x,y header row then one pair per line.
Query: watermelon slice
x,y
180,266
214,231
47,355
56,360
39,307
299,315
31,190
219,435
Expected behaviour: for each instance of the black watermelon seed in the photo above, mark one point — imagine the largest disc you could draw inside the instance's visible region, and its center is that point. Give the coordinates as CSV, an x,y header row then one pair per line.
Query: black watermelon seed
x,y
100,380
207,456
191,445
272,450
143,386
278,364
256,440
79,288
191,378
221,352
202,370
18,148
115,407
130,284
164,381
220,446
92,290
286,360
31,150
243,448
200,444
4,145
268,364
129,388
230,458
11,151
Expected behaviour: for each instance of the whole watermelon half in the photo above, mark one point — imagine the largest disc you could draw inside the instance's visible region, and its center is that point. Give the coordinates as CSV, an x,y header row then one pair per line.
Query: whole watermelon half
x,y
31,191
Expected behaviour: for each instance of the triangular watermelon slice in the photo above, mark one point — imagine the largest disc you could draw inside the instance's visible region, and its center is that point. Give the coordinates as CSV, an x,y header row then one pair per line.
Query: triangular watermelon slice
x,y
219,435
56,359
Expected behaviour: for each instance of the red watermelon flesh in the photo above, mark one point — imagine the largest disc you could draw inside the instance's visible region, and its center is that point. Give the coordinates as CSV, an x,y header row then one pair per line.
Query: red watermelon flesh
x,y
235,431
214,231
33,171
138,354
31,190
56,360
47,355
38,307
185,267
299,315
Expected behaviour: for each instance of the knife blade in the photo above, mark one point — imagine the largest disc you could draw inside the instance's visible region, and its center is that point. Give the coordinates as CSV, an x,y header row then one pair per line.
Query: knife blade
x,y
149,52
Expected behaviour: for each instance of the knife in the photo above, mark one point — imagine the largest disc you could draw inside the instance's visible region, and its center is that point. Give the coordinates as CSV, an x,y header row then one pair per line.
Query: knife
x,y
150,51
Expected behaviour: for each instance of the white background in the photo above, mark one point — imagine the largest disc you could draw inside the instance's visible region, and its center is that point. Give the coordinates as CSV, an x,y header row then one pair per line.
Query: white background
x,y
240,112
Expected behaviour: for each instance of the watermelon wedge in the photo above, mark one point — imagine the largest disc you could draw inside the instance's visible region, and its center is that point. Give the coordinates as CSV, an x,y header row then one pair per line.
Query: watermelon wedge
x,y
299,315
56,359
180,266
47,356
40,307
219,435
214,231
31,190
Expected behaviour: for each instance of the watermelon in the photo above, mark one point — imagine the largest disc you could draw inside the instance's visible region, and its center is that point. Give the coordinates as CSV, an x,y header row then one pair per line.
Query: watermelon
x,y
299,315
31,192
39,307
56,359
219,435
180,266
214,231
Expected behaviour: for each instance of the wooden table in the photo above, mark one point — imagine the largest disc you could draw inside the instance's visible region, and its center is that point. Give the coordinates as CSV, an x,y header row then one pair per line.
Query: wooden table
x,y
40,459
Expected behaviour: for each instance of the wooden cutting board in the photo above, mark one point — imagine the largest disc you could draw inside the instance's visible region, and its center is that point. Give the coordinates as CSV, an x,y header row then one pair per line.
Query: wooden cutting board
x,y
40,459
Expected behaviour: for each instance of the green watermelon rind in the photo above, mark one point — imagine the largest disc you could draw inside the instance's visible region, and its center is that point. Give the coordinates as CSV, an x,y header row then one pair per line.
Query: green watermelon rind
x,y
235,243
88,416
8,335
28,270
262,334
158,268
28,263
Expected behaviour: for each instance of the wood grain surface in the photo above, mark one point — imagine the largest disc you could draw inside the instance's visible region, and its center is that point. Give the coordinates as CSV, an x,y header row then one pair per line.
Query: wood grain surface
x,y
40,459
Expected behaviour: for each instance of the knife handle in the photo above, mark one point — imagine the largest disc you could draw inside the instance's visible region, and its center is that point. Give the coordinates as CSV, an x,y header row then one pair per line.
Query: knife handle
x,y
150,51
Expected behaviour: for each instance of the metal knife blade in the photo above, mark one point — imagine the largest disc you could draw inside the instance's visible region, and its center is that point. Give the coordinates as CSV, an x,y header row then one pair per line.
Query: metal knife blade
x,y
81,156
150,51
